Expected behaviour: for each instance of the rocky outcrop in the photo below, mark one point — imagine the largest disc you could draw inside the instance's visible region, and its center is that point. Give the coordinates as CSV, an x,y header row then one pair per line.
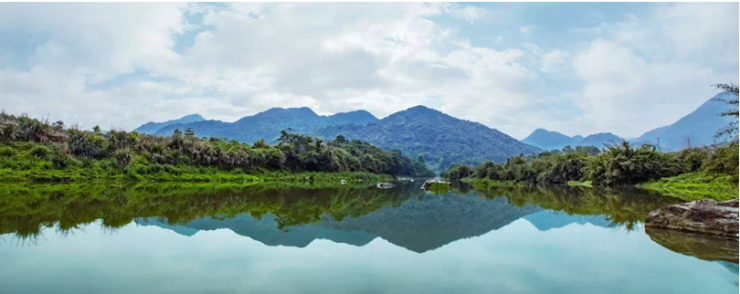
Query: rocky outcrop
x,y
701,216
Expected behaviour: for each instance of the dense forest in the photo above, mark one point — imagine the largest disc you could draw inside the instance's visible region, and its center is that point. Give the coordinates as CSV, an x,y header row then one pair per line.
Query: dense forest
x,y
39,150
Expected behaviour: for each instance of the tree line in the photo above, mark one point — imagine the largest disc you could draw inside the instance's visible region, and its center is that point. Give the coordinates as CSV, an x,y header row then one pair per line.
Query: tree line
x,y
616,164
26,141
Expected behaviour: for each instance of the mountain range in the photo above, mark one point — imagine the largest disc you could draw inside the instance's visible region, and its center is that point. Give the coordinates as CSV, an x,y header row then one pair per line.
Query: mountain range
x,y
438,138
551,140
153,127
698,128
441,139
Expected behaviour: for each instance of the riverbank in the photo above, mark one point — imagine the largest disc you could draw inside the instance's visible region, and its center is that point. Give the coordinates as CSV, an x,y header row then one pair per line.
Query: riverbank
x,y
689,186
695,186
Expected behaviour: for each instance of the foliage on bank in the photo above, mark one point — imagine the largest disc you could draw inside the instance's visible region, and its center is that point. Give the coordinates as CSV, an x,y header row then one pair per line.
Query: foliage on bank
x,y
36,150
617,165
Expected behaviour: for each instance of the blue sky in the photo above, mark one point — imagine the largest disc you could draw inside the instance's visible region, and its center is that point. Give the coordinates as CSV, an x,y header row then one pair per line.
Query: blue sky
x,y
577,68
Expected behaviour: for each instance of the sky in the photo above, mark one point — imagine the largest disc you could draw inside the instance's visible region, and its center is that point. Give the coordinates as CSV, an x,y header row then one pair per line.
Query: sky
x,y
576,68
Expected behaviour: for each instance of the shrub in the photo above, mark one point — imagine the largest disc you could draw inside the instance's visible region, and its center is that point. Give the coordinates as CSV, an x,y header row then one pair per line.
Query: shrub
x,y
41,152
123,157
7,152
8,132
693,158
62,161
86,144
622,164
724,160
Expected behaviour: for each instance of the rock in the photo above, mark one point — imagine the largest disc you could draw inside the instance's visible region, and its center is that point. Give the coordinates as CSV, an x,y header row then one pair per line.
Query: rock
x,y
702,246
701,216
428,184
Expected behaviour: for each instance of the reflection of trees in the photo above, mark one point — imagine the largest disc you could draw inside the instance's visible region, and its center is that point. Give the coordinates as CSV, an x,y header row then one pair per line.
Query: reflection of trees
x,y
26,209
623,207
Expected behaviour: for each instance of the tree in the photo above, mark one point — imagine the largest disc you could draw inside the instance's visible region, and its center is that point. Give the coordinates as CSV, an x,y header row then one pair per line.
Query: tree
x,y
189,132
421,158
96,129
732,129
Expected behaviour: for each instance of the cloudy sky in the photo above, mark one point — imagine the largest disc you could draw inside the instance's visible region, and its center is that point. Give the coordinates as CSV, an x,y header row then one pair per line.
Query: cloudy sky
x,y
576,68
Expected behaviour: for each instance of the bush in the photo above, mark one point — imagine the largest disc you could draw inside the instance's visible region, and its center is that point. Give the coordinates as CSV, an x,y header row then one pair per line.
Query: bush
x,y
458,172
123,157
41,152
7,152
62,161
86,144
724,160
622,164
693,158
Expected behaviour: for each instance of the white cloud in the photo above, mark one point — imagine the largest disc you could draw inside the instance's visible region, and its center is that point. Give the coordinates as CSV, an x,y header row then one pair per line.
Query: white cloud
x,y
649,72
467,12
115,64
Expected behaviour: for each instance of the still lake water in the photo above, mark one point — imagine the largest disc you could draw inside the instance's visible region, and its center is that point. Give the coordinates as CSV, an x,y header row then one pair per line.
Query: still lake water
x,y
201,239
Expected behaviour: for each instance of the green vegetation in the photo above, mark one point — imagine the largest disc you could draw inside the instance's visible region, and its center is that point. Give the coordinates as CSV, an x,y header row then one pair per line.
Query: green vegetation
x,y
695,186
713,171
438,137
33,150
439,187
26,208
488,184
624,206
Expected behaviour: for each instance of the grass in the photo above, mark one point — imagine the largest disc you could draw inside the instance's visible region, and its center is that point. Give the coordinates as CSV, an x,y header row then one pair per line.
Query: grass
x,y
695,186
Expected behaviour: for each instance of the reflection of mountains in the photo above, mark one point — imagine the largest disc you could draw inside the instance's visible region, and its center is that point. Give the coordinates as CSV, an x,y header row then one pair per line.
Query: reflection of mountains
x,y
420,224
547,219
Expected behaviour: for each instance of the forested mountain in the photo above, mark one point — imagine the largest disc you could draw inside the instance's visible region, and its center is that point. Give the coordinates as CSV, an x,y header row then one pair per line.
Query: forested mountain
x,y
441,139
695,129
152,127
551,140
268,124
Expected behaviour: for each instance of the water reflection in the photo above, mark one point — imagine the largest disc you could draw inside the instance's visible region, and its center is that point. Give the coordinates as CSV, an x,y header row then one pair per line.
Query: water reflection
x,y
200,238
296,216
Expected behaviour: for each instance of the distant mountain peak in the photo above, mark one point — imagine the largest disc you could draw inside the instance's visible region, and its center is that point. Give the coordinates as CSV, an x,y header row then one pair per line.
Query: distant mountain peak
x,y
153,127
193,117
697,128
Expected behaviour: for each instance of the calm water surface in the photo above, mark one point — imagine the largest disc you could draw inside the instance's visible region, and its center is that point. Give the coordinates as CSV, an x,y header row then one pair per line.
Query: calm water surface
x,y
205,239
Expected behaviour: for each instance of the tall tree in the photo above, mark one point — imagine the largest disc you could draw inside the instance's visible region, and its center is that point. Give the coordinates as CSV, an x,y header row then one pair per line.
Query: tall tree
x,y
732,129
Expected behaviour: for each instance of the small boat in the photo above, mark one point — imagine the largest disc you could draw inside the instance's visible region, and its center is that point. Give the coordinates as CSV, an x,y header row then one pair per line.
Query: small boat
x,y
384,185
